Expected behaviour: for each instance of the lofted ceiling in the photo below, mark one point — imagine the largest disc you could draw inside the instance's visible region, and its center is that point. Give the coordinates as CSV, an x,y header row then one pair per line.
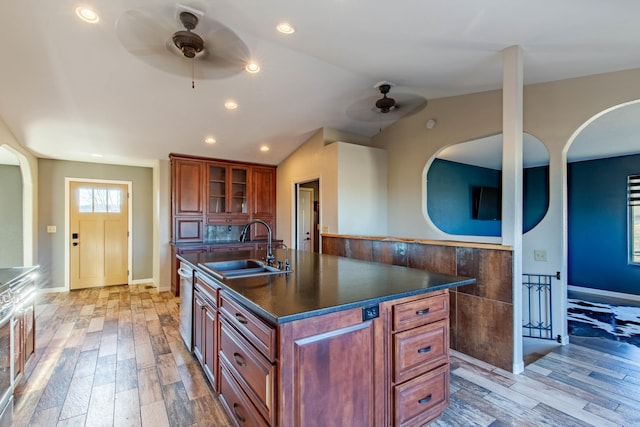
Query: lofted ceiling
x,y
73,90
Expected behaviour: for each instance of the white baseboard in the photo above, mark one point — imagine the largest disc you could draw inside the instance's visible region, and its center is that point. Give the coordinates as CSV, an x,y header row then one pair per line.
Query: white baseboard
x,y
602,292
53,290
143,281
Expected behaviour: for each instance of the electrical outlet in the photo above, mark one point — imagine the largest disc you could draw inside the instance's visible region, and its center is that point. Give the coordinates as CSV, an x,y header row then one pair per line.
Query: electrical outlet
x,y
371,312
540,255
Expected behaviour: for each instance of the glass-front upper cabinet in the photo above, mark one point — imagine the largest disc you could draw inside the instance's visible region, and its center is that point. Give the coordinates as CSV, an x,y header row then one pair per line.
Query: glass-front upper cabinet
x,y
227,191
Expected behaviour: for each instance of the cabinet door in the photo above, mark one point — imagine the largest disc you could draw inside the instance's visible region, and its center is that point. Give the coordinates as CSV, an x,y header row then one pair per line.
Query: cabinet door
x,y
210,347
227,192
29,331
198,326
263,200
188,177
263,191
17,347
349,390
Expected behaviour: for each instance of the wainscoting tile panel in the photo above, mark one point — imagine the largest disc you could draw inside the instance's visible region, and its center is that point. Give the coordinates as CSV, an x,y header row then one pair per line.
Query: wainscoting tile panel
x,y
493,270
435,258
490,321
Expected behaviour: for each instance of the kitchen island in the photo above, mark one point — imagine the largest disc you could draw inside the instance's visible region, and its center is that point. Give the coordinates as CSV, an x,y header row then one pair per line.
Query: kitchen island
x,y
336,341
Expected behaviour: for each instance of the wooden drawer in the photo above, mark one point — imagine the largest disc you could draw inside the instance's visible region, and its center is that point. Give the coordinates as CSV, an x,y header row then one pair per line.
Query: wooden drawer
x,y
420,312
419,350
208,289
239,408
258,333
422,399
229,248
253,372
228,219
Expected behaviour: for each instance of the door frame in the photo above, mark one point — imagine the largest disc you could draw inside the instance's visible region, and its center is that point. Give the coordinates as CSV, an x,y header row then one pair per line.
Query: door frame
x,y
67,240
294,210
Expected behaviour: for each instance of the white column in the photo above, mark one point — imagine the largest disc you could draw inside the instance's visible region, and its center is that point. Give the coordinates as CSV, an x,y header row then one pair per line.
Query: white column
x,y
512,93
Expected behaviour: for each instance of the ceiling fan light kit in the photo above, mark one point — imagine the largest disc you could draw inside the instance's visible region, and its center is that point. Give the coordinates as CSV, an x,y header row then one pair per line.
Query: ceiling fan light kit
x,y
190,44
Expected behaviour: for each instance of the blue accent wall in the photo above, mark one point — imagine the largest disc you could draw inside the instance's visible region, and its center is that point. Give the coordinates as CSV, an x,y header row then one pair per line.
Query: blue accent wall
x,y
598,225
535,196
449,197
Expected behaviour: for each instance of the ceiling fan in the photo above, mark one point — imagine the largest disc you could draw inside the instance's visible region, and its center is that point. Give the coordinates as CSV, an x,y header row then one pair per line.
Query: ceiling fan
x,y
182,40
386,108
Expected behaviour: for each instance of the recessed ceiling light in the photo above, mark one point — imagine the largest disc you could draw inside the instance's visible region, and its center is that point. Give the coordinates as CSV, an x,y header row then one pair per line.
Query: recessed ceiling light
x,y
87,14
252,67
285,28
264,148
96,155
210,140
230,105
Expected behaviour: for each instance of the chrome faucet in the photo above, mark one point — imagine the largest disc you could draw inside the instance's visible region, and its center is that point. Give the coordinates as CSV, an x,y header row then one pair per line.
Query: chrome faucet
x,y
243,238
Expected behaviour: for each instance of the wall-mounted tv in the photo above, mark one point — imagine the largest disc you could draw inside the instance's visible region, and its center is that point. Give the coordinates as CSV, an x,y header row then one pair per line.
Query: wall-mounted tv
x,y
486,203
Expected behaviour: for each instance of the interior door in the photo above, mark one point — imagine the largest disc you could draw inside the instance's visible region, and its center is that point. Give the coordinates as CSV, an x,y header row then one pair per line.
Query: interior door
x,y
99,226
305,219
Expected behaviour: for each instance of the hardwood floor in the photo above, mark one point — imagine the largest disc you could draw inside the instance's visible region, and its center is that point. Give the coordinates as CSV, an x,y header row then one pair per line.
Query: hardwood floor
x,y
114,357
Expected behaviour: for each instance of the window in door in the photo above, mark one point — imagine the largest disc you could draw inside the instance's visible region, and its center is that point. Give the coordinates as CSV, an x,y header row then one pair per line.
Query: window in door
x,y
633,197
99,200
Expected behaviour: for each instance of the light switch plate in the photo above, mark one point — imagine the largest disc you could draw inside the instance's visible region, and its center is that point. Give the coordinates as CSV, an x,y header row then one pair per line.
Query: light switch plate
x,y
51,228
540,255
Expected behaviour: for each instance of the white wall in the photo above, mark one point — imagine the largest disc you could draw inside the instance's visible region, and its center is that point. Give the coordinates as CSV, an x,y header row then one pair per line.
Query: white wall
x,y
362,190
312,160
162,225
352,186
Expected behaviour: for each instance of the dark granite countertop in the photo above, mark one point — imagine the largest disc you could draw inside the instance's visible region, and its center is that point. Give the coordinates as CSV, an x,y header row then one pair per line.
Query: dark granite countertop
x,y
8,276
220,242
321,284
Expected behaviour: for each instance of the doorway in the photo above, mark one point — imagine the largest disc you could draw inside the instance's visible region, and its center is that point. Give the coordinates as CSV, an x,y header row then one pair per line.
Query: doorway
x,y
307,212
98,238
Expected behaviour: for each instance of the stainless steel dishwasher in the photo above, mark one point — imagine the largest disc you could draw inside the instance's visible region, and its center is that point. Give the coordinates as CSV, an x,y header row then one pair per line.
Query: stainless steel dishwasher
x,y
186,304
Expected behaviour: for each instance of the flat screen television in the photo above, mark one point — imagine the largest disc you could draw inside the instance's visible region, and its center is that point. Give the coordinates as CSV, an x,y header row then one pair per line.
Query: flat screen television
x,y
486,203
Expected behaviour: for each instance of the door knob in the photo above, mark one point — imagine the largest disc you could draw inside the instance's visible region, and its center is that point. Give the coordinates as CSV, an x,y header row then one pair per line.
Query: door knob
x,y
74,244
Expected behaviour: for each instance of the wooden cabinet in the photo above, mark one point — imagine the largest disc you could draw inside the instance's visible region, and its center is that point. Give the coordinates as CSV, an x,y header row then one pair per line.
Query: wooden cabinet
x,y
187,186
263,200
419,346
205,328
391,369
332,371
247,353
176,250
218,192
23,336
187,192
227,194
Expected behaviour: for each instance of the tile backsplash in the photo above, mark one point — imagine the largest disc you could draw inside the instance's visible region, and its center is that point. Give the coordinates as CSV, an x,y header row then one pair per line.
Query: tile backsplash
x,y
222,233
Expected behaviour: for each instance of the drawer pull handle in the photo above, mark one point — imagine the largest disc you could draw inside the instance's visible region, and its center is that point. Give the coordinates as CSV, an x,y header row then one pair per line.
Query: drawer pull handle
x,y
240,318
422,312
425,400
237,414
425,349
239,359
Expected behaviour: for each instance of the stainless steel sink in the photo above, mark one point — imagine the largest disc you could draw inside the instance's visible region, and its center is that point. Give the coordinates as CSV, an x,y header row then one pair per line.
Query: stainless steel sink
x,y
240,268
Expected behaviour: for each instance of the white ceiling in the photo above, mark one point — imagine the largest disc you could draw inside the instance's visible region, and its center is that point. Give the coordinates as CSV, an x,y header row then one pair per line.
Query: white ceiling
x,y
69,89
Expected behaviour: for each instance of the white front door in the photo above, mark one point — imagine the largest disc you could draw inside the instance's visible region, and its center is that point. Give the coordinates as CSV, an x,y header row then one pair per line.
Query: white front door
x,y
98,227
305,219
